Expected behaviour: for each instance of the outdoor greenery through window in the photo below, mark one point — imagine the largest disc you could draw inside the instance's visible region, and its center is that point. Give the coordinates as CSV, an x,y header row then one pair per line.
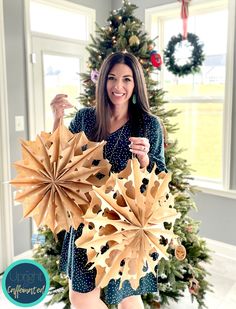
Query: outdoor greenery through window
x,y
200,98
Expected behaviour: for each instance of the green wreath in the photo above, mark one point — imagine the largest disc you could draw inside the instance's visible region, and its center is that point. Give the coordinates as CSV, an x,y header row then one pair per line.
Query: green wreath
x,y
196,58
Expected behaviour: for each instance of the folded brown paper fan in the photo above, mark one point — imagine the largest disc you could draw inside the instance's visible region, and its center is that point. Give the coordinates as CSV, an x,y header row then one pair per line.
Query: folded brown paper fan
x,y
130,227
55,175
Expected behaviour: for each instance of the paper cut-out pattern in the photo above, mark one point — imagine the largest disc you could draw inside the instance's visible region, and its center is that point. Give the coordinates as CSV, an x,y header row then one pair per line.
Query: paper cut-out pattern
x,y
130,226
55,174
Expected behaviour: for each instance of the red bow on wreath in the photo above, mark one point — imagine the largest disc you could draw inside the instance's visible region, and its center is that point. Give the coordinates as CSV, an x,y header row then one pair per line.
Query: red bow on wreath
x,y
156,59
184,15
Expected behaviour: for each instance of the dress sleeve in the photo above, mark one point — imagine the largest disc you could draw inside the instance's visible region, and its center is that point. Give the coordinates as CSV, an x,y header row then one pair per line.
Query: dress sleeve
x,y
156,140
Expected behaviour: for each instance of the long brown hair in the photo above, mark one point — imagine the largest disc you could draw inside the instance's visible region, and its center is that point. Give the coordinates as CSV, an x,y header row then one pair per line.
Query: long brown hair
x,y
103,111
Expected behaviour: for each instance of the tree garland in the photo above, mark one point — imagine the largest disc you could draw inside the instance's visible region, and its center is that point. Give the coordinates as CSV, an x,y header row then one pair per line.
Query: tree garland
x,y
196,58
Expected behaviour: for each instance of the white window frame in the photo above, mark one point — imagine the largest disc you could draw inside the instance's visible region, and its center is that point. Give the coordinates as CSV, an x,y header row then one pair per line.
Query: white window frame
x,y
28,44
69,6
153,26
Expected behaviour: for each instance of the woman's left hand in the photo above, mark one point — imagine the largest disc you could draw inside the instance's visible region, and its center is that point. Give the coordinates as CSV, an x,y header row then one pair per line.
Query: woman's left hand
x,y
140,147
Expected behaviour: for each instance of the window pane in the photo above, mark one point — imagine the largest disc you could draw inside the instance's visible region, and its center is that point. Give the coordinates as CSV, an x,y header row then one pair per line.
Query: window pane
x,y
61,75
200,134
200,97
61,22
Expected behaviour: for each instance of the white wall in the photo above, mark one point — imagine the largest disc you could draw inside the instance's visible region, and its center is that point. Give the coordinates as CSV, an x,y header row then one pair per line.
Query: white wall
x,y
6,251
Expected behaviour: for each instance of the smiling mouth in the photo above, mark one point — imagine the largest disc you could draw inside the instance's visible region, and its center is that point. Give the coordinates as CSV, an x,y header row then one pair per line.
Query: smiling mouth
x,y
118,94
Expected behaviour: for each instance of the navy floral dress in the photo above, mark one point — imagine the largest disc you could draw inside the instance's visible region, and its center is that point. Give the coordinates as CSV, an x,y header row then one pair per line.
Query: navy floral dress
x,y
74,260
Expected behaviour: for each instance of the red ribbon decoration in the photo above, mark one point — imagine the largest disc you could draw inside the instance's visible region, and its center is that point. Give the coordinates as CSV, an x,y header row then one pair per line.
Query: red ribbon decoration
x,y
184,15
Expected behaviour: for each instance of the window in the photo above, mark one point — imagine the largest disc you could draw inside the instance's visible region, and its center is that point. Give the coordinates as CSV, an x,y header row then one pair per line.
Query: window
x,y
59,20
57,33
200,98
61,75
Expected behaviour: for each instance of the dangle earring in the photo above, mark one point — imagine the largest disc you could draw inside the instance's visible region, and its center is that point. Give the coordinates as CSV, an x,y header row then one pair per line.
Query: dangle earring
x,y
134,99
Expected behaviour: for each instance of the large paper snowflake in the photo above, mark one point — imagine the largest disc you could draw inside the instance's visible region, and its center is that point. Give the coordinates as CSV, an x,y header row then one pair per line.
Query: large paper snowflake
x,y
130,226
55,175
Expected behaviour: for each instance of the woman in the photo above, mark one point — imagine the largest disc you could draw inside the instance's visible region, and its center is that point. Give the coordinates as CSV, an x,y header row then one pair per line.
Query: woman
x,y
122,118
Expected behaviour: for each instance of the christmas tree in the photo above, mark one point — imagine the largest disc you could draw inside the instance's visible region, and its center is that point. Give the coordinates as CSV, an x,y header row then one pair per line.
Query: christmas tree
x,y
123,32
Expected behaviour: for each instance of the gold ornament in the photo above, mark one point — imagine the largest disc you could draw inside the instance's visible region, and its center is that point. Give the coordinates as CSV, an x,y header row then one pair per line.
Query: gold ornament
x,y
180,252
55,175
127,225
134,40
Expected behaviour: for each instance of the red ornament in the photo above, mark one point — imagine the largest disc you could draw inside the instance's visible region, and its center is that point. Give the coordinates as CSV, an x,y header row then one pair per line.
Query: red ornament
x,y
156,59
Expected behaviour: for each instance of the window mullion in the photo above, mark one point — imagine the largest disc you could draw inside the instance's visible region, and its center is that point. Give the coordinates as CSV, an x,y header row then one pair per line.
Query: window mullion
x,y
228,107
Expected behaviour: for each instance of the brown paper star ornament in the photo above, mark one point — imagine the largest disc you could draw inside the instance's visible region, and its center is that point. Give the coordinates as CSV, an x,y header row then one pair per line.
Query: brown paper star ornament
x,y
130,226
55,174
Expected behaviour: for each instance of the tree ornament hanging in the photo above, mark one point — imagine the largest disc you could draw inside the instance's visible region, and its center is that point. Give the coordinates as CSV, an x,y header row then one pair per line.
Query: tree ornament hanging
x,y
183,57
180,252
155,304
156,59
193,286
134,40
94,75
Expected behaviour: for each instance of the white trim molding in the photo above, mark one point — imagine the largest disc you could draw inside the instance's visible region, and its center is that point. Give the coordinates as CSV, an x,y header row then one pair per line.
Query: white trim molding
x,y
229,89
222,249
6,227
25,255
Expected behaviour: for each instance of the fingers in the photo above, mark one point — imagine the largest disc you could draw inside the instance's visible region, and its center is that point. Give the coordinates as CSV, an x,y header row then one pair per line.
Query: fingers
x,y
139,145
59,104
61,101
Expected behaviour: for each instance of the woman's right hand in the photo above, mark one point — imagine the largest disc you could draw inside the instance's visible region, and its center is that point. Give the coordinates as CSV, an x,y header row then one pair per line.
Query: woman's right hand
x,y
58,105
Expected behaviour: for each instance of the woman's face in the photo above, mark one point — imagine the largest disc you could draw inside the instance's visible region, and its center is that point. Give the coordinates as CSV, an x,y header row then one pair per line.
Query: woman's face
x,y
120,84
